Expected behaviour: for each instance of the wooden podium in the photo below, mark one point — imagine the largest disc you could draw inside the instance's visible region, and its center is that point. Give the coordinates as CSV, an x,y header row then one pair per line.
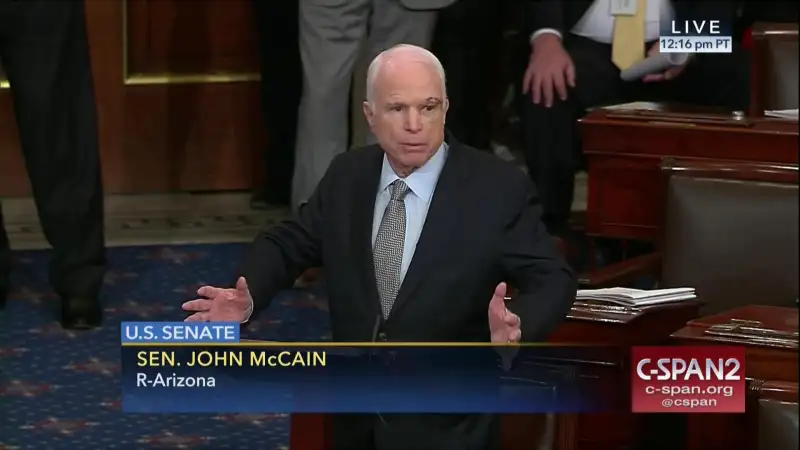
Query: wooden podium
x,y
770,336
617,327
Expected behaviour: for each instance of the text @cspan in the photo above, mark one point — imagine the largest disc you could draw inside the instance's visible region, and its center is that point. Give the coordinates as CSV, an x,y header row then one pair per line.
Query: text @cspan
x,y
232,358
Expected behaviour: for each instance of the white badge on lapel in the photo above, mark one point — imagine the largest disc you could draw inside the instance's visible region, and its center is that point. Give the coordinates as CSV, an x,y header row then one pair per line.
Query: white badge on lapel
x,y
623,7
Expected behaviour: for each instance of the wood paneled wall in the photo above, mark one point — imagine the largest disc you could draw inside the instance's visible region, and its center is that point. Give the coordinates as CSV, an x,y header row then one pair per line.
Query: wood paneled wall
x,y
177,95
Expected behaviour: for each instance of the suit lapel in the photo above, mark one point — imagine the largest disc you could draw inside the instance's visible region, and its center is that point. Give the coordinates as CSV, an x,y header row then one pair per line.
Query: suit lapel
x,y
441,221
366,188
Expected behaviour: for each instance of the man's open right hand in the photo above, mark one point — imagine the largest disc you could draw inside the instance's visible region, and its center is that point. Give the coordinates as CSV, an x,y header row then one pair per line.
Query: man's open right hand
x,y
550,70
221,305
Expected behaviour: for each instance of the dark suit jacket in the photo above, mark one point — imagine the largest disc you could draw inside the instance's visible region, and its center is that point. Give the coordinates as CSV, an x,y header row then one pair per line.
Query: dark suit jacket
x,y
562,15
483,227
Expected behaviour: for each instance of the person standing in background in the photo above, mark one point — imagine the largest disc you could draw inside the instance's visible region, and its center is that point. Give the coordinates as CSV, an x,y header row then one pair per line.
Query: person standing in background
x,y
331,35
468,37
45,54
577,50
281,87
383,225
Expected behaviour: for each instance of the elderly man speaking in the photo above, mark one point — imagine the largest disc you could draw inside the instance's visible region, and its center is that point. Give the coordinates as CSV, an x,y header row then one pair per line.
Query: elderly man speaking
x,y
417,234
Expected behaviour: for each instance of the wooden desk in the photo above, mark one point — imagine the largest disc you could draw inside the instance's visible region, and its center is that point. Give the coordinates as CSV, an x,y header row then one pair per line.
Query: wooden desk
x,y
610,431
770,367
624,151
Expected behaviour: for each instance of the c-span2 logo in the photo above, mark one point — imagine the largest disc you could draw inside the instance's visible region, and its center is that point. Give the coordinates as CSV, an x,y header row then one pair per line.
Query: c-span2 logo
x,y
688,379
696,36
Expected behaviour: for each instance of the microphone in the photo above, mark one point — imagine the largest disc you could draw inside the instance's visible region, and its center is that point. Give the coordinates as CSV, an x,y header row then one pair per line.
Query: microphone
x,y
376,328
375,331
373,352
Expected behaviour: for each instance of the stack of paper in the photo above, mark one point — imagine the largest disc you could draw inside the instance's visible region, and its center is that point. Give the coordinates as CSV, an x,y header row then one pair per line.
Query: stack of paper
x,y
782,114
636,106
636,297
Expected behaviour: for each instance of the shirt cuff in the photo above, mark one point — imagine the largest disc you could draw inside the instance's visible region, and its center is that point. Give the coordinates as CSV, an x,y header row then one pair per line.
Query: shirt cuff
x,y
249,312
542,31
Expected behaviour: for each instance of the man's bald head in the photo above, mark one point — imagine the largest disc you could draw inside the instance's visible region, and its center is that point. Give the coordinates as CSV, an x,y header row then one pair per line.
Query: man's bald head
x,y
398,61
406,105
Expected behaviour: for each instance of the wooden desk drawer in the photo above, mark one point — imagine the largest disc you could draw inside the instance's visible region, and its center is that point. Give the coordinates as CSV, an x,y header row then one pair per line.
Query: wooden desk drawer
x,y
621,193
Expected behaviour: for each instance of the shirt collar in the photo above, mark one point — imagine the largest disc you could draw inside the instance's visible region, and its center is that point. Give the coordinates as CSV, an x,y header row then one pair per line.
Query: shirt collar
x,y
422,181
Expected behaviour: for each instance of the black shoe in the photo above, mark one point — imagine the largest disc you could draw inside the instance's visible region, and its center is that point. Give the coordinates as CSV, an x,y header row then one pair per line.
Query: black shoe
x,y
81,313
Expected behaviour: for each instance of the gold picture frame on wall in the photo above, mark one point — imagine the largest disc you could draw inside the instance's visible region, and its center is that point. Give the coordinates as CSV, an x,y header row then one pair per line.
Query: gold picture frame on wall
x,y
3,79
137,79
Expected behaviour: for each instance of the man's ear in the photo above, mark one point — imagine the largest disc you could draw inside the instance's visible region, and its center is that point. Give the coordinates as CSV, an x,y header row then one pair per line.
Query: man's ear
x,y
369,114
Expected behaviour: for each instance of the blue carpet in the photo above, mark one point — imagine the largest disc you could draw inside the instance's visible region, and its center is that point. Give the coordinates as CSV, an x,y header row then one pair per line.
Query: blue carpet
x,y
60,389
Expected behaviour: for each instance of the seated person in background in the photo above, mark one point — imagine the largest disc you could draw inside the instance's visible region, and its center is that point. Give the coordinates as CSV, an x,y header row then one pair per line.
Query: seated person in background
x,y
578,49
416,235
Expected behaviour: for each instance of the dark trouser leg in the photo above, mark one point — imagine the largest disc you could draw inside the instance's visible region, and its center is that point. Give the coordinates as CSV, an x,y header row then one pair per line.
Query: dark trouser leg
x,y
468,34
46,56
551,135
281,88
548,139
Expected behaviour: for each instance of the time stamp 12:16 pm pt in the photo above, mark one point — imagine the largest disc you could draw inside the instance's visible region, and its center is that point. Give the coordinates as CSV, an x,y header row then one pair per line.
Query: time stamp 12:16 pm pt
x,y
696,36
695,44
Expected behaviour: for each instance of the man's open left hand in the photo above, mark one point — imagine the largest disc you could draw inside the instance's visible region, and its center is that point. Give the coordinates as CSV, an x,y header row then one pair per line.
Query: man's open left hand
x,y
668,74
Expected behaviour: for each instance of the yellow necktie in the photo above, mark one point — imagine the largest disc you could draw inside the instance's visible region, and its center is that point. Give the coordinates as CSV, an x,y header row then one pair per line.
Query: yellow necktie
x,y
627,48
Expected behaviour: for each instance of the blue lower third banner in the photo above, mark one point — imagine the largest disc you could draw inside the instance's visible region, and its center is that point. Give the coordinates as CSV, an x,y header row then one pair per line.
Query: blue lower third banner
x,y
248,378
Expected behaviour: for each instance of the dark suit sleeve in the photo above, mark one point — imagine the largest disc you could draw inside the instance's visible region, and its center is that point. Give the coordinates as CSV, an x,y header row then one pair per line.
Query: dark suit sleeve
x,y
281,253
534,266
544,14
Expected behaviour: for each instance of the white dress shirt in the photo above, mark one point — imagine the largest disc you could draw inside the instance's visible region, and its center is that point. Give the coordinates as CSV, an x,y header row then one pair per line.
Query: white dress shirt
x,y
421,185
597,23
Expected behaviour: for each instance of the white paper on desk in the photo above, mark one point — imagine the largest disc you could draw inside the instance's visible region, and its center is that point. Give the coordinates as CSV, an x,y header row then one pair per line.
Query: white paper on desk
x,y
636,106
782,114
653,64
636,297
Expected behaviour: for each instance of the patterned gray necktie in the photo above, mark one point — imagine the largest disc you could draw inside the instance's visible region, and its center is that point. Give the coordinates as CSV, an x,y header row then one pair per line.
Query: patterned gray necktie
x,y
387,255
